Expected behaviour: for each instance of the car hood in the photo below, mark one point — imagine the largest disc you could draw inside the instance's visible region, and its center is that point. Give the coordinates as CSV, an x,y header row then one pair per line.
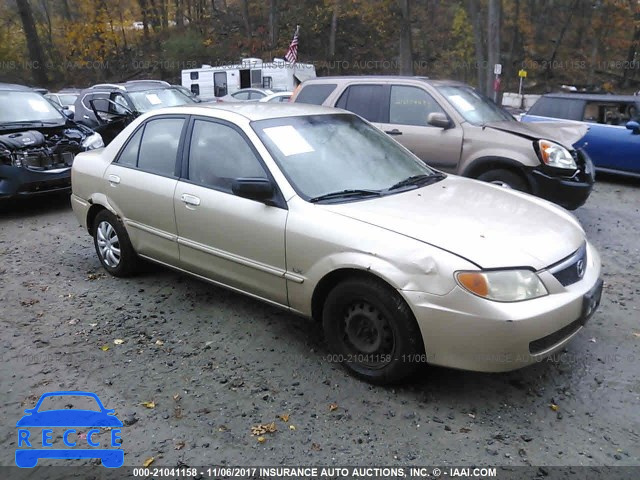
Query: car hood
x,y
564,133
69,418
491,226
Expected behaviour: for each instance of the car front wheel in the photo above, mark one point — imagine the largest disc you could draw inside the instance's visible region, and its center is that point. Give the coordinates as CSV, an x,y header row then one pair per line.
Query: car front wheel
x,y
113,246
505,178
371,331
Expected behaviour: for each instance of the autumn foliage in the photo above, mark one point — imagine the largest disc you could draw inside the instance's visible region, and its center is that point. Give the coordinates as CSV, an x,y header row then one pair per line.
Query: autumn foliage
x,y
594,43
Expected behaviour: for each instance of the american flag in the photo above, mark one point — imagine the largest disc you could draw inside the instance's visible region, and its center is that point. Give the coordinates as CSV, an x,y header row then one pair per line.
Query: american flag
x,y
292,52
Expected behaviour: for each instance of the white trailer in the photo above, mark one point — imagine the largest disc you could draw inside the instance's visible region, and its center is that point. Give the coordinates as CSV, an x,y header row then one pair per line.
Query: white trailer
x,y
209,82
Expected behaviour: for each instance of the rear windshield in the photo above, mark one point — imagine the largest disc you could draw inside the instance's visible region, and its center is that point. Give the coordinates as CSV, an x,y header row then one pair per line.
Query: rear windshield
x,y
315,94
159,98
565,108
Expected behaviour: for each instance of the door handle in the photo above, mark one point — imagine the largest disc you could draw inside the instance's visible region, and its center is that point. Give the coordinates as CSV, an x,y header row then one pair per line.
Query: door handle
x,y
114,179
190,199
395,131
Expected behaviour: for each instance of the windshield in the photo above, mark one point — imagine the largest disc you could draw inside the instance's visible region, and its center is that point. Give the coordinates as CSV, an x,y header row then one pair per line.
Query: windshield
x,y
474,107
158,98
322,154
27,107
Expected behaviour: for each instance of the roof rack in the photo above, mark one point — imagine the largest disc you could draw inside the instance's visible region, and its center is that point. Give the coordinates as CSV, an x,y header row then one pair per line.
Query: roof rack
x,y
160,82
108,85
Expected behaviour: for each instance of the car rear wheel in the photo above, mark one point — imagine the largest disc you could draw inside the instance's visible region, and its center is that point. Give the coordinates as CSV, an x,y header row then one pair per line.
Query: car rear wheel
x,y
113,246
371,331
505,178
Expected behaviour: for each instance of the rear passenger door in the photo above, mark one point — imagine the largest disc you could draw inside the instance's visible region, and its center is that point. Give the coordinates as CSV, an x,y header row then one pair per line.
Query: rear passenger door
x,y
141,184
366,100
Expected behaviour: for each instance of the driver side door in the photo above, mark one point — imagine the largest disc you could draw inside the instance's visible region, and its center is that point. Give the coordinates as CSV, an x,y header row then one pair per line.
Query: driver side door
x,y
226,238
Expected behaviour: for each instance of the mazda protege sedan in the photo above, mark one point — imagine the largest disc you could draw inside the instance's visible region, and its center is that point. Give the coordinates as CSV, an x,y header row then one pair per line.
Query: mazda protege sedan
x,y
315,210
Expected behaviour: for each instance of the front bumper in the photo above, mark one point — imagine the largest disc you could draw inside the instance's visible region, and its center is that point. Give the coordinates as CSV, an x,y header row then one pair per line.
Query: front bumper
x,y
21,181
569,193
463,331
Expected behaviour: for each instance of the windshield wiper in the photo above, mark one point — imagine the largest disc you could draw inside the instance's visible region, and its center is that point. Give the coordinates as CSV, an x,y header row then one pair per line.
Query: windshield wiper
x,y
42,123
420,180
355,192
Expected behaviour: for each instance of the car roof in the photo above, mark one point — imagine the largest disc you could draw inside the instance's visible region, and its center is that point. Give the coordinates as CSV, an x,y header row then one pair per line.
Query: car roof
x,y
254,110
595,97
381,78
253,89
13,87
131,86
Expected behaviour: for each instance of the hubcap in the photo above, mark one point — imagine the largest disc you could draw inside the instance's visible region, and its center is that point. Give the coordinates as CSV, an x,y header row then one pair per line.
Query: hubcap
x,y
367,334
501,183
108,244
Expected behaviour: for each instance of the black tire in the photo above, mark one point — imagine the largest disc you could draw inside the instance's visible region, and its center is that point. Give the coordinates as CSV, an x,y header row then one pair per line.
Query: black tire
x,y
506,178
117,238
366,307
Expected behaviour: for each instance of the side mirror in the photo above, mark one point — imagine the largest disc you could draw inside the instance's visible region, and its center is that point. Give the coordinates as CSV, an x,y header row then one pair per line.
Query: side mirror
x,y
633,126
437,119
260,189
68,113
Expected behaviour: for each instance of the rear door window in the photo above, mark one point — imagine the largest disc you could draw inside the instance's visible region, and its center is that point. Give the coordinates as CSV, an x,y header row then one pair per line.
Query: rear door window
x,y
254,95
315,94
129,154
565,108
159,146
610,113
363,100
241,96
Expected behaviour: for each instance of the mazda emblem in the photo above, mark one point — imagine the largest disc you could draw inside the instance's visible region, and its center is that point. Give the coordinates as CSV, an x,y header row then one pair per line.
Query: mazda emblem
x,y
580,268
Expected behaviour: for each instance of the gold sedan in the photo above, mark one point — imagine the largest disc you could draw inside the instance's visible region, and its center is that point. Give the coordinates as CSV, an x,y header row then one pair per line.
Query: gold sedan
x,y
316,211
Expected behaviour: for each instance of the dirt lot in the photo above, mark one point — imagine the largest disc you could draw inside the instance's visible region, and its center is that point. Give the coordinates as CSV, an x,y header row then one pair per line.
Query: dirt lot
x,y
214,364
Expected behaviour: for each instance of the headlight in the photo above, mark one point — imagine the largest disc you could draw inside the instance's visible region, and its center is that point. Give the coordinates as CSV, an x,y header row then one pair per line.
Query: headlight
x,y
93,141
556,155
503,285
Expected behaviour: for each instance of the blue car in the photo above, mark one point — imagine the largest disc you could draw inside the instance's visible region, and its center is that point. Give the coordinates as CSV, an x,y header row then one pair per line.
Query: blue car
x,y
613,139
27,454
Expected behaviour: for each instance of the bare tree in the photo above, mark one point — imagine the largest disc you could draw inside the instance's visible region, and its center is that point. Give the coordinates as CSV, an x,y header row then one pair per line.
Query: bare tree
x,y
632,52
478,42
245,17
493,42
406,48
144,8
34,46
273,23
556,45
179,12
334,28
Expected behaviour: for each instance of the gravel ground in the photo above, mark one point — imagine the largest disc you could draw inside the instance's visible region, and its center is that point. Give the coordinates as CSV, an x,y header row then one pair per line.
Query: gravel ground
x,y
215,363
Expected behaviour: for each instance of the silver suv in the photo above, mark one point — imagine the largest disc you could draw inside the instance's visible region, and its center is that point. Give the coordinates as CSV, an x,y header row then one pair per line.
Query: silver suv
x,y
452,127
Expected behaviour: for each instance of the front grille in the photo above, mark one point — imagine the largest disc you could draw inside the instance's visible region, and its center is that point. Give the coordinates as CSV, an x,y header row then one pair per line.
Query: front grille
x,y
43,160
45,186
545,343
571,269
37,160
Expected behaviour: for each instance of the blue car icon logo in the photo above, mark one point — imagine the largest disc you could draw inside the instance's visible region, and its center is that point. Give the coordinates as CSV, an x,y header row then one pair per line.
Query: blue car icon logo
x,y
31,449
